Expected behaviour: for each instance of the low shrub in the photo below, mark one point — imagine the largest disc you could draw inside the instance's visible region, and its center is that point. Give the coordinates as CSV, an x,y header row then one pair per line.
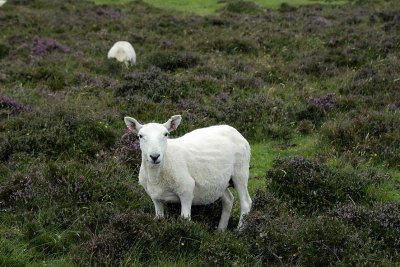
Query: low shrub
x,y
154,84
225,249
371,135
329,242
44,45
311,186
171,61
275,238
248,82
380,221
128,151
317,108
4,50
9,106
134,229
373,81
257,117
58,133
230,46
239,6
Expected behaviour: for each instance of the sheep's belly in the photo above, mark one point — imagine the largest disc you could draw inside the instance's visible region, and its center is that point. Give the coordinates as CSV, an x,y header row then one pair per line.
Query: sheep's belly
x,y
204,195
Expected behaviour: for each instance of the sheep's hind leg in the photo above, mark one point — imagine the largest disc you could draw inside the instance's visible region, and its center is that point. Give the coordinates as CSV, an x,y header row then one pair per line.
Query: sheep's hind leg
x,y
240,179
227,204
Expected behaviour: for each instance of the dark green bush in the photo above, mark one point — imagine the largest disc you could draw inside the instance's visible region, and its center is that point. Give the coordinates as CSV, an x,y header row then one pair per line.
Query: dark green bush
x,y
311,186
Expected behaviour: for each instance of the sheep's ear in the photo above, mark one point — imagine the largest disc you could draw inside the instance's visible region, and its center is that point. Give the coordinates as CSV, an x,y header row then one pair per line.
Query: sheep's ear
x,y
173,123
132,124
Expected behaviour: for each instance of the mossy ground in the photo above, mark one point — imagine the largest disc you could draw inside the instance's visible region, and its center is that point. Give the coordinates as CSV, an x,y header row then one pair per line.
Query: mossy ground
x,y
315,90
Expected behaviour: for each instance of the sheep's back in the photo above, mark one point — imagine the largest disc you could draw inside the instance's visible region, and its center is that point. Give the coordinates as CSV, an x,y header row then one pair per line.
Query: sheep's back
x,y
210,155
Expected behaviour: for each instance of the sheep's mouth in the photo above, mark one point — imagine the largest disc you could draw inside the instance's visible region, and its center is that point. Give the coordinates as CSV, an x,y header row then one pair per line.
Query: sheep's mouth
x,y
155,163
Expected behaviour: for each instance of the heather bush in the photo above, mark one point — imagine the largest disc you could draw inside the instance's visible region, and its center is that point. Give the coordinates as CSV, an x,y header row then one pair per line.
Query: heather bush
x,y
128,150
373,135
239,6
4,50
42,45
153,83
9,106
224,249
370,81
317,108
311,186
333,242
230,46
171,60
380,222
257,117
59,134
134,229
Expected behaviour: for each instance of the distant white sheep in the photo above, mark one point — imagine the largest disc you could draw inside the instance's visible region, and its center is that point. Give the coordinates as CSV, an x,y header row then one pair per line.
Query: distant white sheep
x,y
2,2
196,168
123,52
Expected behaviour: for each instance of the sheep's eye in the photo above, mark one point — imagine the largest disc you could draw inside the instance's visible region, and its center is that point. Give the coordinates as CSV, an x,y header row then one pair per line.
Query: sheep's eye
x,y
166,134
140,136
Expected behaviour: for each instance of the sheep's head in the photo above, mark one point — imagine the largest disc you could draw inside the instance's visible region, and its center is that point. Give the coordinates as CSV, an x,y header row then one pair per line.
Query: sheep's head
x,y
153,137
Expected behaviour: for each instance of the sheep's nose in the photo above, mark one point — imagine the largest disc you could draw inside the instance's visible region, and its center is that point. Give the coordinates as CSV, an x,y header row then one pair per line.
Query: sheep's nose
x,y
154,157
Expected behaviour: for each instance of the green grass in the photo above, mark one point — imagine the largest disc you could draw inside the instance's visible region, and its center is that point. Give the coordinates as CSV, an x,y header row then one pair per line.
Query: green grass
x,y
207,7
201,7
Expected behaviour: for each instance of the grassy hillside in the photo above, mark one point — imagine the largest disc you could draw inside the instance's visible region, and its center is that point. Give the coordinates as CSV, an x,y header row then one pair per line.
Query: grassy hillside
x,y
315,90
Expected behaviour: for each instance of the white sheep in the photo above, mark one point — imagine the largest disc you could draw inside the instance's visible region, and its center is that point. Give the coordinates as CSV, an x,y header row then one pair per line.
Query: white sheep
x,y
2,2
123,52
196,168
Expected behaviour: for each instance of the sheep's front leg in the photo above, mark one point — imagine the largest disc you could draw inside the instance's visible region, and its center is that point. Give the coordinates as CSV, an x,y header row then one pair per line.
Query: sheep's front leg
x,y
186,196
159,207
186,205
